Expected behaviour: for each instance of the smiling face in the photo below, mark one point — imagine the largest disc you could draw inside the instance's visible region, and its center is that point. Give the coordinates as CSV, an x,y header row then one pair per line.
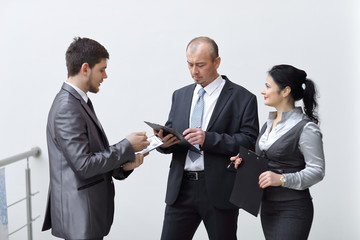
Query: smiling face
x,y
203,68
96,76
271,92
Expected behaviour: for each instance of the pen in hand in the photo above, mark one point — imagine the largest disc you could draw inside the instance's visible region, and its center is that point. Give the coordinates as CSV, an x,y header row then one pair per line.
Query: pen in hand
x,y
233,161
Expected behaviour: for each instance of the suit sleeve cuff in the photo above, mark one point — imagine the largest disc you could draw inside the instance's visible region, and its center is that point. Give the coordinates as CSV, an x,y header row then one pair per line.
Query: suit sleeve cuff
x,y
120,174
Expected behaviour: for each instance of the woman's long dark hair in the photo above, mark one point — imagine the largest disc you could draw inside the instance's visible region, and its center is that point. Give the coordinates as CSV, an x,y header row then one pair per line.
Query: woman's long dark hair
x,y
289,76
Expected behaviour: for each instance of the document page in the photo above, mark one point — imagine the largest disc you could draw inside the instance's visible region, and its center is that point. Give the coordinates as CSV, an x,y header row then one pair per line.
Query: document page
x,y
155,142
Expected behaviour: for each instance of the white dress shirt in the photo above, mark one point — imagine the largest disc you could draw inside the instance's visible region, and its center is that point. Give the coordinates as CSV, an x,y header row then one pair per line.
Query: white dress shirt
x,y
211,95
79,91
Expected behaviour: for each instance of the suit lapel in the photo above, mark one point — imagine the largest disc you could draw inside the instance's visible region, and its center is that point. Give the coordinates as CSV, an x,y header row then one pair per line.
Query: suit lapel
x,y
96,120
187,106
75,94
221,102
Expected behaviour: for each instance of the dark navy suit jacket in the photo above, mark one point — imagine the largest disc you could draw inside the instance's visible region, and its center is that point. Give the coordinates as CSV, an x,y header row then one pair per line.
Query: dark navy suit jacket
x,y
234,122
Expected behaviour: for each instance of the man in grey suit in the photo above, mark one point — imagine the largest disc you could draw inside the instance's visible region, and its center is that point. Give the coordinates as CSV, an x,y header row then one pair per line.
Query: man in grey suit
x,y
82,163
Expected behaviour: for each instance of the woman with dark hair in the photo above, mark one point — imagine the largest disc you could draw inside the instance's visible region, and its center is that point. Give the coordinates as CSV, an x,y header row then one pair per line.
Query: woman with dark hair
x,y
292,142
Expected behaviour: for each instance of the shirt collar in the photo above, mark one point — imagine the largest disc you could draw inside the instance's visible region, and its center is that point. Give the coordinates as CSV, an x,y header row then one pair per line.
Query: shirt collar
x,y
286,115
79,91
209,89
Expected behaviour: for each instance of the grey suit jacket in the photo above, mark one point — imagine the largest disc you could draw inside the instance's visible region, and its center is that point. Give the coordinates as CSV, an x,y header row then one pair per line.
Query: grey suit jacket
x,y
81,192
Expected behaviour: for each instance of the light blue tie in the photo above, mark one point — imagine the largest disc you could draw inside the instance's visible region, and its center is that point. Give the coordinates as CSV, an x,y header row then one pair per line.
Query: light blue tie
x,y
196,120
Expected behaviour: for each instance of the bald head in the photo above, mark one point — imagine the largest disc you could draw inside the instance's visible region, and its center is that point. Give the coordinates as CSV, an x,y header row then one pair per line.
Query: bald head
x,y
194,45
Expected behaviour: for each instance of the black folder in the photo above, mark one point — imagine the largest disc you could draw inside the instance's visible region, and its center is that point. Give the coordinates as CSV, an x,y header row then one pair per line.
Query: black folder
x,y
246,193
183,142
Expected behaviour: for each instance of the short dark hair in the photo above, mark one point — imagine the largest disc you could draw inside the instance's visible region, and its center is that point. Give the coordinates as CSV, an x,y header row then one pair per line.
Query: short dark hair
x,y
289,76
84,50
214,50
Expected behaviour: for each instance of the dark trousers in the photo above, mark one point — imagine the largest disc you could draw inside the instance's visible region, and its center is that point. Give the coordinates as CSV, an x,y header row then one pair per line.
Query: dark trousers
x,y
283,220
193,206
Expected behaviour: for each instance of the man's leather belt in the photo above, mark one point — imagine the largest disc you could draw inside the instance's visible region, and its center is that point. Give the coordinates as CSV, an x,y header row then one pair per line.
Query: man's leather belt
x,y
194,175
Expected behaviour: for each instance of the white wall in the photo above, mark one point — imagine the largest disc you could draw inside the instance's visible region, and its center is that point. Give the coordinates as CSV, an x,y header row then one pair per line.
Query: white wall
x,y
146,41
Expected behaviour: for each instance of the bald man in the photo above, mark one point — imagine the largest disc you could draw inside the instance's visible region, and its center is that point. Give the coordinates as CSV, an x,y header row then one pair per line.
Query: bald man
x,y
217,116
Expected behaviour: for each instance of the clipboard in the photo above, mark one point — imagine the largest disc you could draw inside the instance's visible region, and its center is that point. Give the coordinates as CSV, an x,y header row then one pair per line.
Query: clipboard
x,y
183,142
246,193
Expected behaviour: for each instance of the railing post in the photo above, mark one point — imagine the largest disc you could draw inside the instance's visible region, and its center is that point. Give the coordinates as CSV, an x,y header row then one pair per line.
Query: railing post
x,y
28,201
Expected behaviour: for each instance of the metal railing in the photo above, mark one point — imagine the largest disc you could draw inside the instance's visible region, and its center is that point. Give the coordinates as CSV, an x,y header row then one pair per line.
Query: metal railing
x,y
34,152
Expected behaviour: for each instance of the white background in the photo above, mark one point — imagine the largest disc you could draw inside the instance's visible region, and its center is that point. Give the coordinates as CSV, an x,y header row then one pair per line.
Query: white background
x,y
146,41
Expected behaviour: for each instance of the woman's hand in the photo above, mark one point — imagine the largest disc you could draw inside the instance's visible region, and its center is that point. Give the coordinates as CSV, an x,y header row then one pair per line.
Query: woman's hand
x,y
236,160
268,178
